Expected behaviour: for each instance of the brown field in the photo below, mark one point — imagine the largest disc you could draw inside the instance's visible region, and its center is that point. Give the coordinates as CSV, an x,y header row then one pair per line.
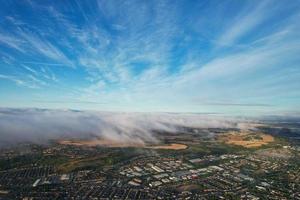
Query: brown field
x,y
173,146
246,139
100,142
113,143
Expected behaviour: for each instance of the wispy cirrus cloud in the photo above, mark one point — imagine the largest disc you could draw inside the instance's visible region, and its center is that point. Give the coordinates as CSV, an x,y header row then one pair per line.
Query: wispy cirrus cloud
x,y
11,42
30,81
157,55
245,21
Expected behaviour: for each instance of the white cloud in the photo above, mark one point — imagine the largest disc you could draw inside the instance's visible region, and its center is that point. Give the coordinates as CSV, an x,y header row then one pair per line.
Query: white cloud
x,y
12,42
19,81
113,41
40,125
244,22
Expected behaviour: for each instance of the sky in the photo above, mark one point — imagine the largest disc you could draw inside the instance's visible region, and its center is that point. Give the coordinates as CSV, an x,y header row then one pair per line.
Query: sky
x,y
229,56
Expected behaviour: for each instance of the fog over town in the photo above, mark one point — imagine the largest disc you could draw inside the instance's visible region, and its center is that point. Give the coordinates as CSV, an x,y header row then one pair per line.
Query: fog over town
x,y
42,125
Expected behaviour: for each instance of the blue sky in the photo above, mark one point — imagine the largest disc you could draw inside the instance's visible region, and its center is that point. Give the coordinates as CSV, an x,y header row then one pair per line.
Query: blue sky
x,y
233,57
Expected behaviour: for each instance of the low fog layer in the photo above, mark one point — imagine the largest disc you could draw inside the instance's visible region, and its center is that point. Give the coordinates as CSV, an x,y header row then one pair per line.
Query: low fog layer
x,y
42,125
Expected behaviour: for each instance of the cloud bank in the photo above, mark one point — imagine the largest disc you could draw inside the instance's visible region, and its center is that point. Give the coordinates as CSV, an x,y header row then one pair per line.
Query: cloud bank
x,y
42,125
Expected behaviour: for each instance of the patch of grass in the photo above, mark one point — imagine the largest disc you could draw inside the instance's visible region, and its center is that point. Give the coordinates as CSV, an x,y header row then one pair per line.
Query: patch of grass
x,y
52,160
83,163
96,162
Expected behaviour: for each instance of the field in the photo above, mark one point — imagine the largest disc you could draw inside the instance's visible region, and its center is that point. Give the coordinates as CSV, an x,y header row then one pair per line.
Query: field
x,y
173,146
100,142
117,144
246,139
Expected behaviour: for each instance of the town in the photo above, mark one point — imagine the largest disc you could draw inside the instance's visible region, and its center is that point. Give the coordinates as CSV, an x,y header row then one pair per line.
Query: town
x,y
61,171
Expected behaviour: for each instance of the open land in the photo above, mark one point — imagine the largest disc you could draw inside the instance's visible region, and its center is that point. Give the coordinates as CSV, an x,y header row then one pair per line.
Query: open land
x,y
115,144
101,142
246,139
